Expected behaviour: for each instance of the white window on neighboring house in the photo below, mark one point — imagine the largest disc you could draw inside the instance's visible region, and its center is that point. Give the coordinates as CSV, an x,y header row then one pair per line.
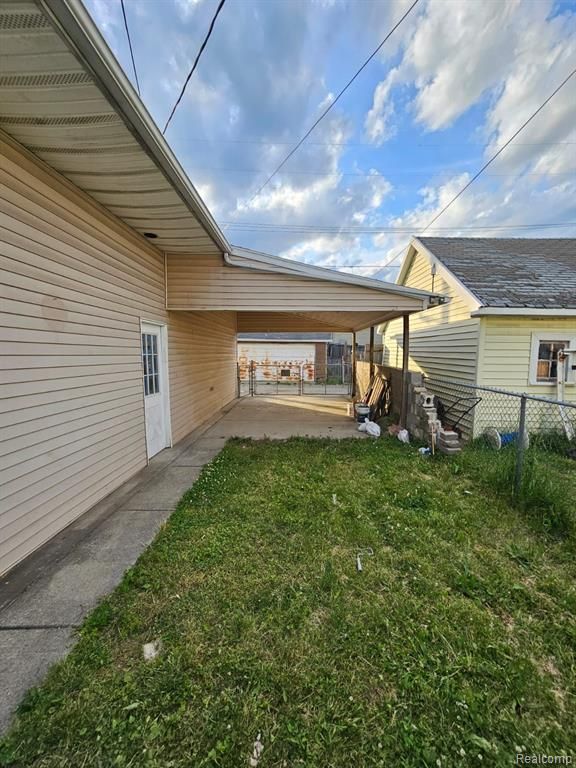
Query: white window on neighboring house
x,y
544,362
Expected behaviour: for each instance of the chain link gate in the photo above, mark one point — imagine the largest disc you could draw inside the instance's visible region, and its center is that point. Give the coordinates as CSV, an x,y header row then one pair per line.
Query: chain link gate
x,y
257,378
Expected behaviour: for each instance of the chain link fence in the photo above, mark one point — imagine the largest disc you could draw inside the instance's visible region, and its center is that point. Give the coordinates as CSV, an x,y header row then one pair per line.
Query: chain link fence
x,y
512,423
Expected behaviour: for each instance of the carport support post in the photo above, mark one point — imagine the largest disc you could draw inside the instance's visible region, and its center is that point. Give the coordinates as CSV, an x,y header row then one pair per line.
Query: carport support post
x,y
371,352
405,363
354,364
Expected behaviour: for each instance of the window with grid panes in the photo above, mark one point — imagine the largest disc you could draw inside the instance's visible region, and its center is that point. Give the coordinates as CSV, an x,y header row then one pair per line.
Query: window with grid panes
x,y
150,364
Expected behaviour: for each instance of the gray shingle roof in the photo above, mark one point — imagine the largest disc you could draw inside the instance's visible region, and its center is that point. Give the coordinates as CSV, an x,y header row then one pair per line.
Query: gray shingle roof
x,y
512,272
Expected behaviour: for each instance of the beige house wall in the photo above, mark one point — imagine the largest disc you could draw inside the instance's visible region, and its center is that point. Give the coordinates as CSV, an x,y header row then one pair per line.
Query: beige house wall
x,y
206,282
202,367
444,339
75,284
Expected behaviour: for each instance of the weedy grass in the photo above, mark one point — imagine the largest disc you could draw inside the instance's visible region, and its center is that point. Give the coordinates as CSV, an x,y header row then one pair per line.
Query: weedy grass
x,y
455,646
547,489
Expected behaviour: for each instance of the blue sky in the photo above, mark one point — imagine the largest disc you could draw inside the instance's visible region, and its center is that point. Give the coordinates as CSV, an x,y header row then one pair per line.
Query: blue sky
x,y
453,83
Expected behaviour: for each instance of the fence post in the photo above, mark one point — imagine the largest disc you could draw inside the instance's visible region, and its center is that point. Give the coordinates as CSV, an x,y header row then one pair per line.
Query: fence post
x,y
405,369
520,446
353,361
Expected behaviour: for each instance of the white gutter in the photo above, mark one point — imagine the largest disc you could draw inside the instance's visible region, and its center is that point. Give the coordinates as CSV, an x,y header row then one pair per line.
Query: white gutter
x,y
73,22
248,259
523,312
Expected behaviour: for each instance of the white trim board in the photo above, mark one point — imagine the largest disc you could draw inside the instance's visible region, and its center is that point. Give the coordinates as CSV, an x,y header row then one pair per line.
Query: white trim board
x,y
554,334
523,312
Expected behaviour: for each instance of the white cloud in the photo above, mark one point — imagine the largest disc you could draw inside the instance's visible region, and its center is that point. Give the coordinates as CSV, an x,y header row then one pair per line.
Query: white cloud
x,y
546,142
186,8
455,58
379,124
458,54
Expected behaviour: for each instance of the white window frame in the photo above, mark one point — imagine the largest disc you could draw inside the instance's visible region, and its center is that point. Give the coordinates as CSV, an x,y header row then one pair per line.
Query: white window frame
x,y
537,339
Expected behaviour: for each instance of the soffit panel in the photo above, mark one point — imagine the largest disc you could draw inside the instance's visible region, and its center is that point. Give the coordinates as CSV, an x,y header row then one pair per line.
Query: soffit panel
x,y
50,103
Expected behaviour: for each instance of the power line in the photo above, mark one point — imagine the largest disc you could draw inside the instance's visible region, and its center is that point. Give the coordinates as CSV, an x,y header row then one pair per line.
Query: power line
x,y
333,102
130,47
490,161
311,229
196,60
218,140
365,174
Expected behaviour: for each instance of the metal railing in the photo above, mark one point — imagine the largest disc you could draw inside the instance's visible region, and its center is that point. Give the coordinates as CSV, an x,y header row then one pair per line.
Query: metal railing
x,y
269,378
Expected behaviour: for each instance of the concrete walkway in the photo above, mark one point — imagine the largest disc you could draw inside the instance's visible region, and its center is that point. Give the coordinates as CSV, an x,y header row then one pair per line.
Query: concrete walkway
x,y
46,598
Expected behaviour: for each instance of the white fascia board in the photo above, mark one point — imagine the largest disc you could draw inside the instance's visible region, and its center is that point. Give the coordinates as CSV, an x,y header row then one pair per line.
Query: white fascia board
x,y
73,22
523,312
472,300
407,262
248,259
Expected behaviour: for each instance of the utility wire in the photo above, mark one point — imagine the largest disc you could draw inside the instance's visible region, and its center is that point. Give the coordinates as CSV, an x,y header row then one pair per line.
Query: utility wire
x,y
219,140
196,60
359,230
489,162
332,103
363,174
130,47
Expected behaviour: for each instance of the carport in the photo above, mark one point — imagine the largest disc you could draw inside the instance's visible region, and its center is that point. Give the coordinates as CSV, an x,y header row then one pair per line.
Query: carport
x,y
273,295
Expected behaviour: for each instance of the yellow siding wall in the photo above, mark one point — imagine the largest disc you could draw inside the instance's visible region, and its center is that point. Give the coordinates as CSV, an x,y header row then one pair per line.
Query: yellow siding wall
x,y
74,285
506,348
444,339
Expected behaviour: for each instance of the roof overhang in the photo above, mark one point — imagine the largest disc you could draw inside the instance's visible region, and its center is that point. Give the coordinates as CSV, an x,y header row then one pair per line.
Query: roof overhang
x,y
64,97
247,258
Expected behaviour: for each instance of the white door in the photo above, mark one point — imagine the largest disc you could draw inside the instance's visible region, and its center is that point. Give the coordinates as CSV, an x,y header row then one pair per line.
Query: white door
x,y
154,389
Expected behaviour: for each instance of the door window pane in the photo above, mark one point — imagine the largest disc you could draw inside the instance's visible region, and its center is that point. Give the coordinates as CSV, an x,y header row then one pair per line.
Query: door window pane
x,y
150,364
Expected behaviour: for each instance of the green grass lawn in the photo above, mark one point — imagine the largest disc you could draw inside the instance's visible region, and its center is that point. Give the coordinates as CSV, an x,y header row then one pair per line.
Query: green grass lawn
x,y
455,646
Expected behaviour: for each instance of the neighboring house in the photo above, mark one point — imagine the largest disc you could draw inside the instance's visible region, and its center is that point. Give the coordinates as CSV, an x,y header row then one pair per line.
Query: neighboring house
x,y
512,308
120,296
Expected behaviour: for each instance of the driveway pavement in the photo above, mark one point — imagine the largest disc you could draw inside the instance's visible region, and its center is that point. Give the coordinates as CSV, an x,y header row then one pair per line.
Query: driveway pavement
x,y
45,599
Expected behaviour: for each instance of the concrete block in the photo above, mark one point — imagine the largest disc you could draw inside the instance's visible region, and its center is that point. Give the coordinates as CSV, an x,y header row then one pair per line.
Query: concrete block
x,y
449,450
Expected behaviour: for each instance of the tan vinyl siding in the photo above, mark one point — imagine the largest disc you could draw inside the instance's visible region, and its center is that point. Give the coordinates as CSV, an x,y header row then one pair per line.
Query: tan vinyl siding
x,y
202,366
75,284
206,282
444,339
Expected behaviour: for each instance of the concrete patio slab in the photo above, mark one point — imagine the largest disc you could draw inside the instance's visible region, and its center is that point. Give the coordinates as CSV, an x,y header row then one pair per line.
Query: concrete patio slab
x,y
25,657
166,491
197,456
44,599
63,600
281,417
